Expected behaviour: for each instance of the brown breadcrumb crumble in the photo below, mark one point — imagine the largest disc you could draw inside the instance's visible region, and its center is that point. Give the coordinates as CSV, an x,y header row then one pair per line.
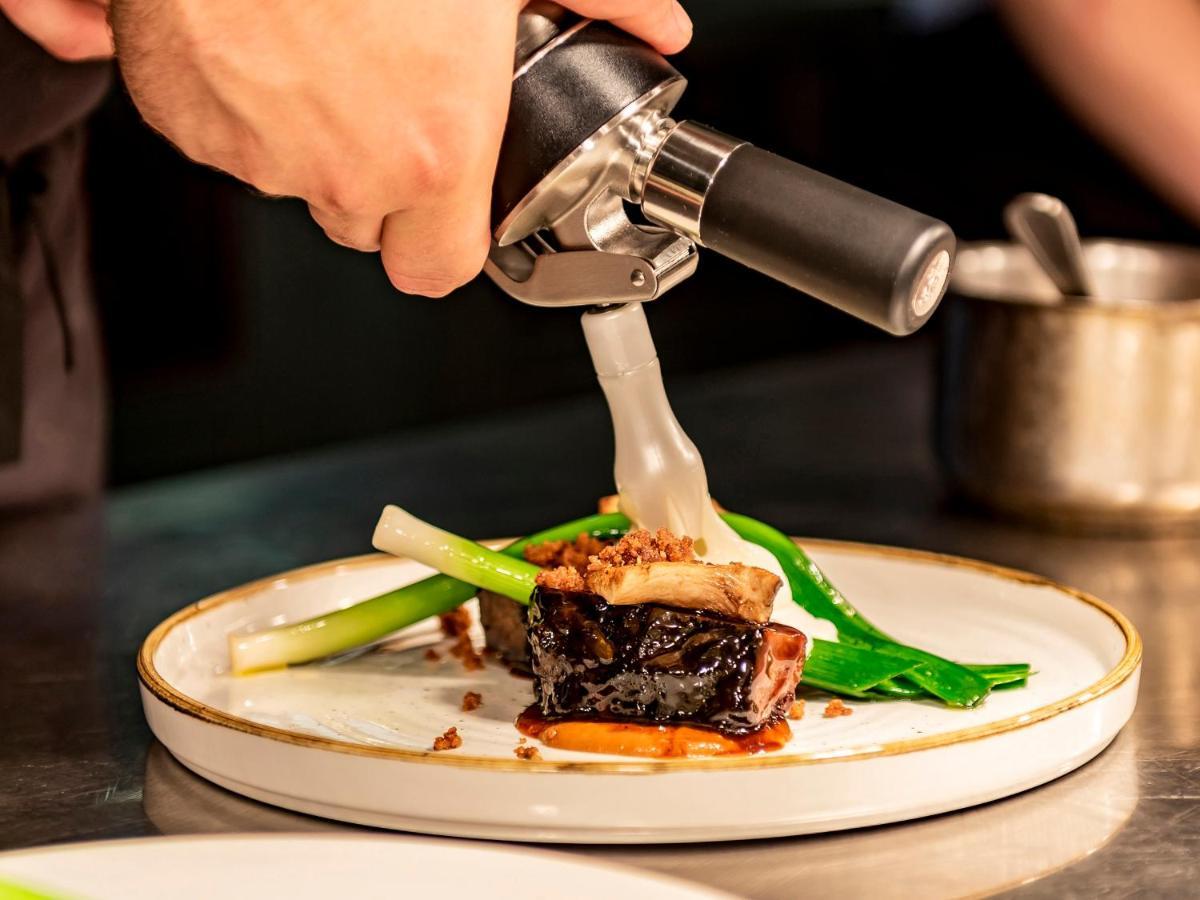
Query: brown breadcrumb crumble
x,y
432,655
561,578
471,701
464,651
530,753
836,708
643,547
449,740
797,710
574,554
455,622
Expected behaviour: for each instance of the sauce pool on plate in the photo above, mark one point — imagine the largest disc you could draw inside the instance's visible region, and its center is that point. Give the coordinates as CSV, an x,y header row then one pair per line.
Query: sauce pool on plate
x,y
653,741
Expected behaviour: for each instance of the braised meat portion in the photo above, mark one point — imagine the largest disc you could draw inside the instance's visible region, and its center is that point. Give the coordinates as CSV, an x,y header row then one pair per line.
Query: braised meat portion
x,y
504,628
503,619
651,662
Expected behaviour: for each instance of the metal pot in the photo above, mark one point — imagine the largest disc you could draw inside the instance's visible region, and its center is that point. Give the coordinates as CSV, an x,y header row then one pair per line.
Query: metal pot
x,y
1079,412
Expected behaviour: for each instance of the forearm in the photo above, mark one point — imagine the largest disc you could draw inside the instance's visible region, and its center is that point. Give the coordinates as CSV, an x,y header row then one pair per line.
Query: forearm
x,y
1131,71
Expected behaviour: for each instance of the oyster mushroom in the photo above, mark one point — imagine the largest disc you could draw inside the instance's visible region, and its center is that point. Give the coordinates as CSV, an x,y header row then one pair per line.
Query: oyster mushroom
x,y
744,592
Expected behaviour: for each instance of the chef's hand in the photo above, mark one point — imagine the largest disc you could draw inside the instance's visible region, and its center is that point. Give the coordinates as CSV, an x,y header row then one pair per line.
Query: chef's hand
x,y
72,30
385,115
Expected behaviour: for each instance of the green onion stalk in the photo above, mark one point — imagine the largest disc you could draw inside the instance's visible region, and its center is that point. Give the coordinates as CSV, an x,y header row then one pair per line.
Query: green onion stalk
x,y
953,683
369,621
864,662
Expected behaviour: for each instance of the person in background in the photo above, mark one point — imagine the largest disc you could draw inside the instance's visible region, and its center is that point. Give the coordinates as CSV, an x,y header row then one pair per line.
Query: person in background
x,y
384,115
52,424
1131,71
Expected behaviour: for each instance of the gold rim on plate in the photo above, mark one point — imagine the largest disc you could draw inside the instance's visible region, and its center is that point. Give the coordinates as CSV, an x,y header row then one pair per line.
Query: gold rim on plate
x,y
161,689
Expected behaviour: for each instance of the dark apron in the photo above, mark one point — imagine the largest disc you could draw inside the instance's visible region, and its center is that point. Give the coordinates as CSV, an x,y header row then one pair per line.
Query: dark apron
x,y
51,377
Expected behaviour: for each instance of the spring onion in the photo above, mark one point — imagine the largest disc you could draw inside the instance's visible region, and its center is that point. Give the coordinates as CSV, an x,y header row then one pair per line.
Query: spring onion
x,y
847,669
950,682
865,662
370,620
1003,673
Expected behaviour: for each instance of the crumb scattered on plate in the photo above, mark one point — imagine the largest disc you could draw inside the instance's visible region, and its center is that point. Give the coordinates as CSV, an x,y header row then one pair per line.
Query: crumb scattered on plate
x,y
449,740
525,752
797,710
464,651
836,708
471,700
455,622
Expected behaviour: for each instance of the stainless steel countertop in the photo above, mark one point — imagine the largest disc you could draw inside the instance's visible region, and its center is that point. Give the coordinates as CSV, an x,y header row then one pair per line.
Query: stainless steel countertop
x,y
832,445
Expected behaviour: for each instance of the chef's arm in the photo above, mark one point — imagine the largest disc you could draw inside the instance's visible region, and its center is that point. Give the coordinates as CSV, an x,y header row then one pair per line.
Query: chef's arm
x,y
1131,70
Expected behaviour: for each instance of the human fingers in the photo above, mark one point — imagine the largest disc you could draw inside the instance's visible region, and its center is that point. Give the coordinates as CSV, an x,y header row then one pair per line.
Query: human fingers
x,y
358,232
661,23
439,246
72,30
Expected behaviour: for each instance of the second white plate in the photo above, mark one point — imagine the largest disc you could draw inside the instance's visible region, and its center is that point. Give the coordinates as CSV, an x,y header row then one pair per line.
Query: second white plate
x,y
311,867
351,740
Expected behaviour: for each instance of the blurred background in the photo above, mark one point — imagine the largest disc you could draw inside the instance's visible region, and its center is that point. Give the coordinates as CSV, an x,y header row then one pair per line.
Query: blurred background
x,y
235,330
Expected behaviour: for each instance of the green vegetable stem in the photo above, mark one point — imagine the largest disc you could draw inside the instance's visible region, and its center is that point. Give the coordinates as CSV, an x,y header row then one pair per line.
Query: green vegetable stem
x,y
865,662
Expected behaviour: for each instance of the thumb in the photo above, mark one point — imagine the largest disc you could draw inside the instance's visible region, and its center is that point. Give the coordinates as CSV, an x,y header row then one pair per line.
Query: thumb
x,y
662,24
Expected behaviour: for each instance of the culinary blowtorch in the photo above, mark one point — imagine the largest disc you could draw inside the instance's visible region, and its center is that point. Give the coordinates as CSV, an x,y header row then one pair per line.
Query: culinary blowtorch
x,y
589,131
589,135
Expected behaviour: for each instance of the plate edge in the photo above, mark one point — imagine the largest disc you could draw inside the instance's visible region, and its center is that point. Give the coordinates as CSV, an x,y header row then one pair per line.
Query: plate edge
x,y
1114,678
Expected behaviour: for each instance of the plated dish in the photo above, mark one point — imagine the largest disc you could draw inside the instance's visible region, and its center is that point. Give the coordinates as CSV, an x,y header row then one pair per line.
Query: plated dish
x,y
641,643
352,738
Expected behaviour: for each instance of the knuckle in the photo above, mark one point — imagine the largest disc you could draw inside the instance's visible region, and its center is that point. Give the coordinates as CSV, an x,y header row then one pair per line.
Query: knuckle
x,y
420,274
339,237
343,196
352,240
422,285
431,280
444,240
354,235
435,164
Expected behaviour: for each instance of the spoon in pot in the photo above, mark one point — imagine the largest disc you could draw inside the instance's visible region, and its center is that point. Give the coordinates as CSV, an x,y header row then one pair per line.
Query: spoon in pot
x,y
1045,226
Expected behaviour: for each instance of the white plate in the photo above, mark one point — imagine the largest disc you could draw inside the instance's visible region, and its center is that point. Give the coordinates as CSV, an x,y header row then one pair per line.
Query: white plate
x,y
304,867
351,740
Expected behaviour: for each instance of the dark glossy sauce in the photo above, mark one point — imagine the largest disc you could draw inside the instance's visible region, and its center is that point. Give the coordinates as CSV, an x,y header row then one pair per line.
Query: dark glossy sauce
x,y
645,740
